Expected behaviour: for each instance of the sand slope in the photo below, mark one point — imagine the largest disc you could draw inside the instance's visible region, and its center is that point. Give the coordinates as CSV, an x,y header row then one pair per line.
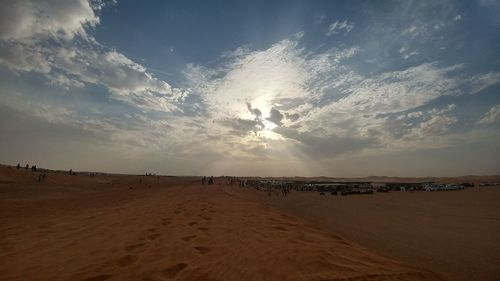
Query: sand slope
x,y
167,229
456,233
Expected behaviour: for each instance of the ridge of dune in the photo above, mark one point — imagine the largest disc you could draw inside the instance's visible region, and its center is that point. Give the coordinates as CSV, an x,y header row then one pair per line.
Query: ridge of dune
x,y
105,228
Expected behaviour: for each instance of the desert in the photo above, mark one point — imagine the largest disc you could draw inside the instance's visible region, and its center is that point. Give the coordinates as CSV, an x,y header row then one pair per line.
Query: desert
x,y
136,227
261,140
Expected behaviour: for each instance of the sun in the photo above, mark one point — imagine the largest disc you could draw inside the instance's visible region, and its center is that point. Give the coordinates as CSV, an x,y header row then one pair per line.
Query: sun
x,y
269,126
267,132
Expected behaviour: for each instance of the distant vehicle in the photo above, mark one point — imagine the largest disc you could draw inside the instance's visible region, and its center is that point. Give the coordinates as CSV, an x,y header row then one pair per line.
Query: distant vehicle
x,y
357,190
443,187
365,191
348,192
434,187
489,183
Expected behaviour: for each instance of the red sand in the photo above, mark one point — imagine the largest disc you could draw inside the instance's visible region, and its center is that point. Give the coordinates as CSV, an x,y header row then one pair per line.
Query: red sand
x,y
456,233
118,228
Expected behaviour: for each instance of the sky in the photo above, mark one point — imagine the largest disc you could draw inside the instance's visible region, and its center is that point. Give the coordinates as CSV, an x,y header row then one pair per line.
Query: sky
x,y
252,88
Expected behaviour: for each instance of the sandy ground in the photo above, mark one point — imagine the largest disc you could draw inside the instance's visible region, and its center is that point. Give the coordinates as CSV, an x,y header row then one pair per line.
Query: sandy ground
x,y
125,228
455,233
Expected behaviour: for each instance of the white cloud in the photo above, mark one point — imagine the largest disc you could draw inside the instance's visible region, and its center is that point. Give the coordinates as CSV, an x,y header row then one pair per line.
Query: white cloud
x,y
65,82
490,117
340,26
320,98
458,18
281,96
27,34
50,113
283,77
406,53
390,92
21,57
483,81
260,78
437,124
62,19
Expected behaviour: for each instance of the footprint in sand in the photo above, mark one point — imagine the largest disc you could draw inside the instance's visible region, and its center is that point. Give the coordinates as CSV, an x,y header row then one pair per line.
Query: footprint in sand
x,y
280,228
187,238
203,250
127,260
172,271
130,248
101,277
166,221
153,236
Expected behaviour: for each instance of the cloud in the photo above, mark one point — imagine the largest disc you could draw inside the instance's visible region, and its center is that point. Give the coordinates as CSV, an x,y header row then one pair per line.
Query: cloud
x,y
292,117
317,97
284,99
458,18
65,82
359,111
242,126
437,124
254,111
406,53
326,146
61,19
282,76
482,81
246,81
126,80
340,26
51,38
491,117
21,57
275,116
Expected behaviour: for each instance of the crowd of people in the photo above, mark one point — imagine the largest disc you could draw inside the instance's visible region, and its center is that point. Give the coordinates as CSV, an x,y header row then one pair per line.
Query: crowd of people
x,y
207,180
41,176
271,187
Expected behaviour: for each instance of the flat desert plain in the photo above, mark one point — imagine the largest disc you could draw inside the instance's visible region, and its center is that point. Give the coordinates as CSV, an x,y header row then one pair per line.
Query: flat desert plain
x,y
455,233
118,227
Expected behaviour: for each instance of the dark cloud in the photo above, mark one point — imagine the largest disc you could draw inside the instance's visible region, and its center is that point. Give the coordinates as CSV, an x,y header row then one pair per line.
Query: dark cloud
x,y
242,126
292,117
254,111
275,117
325,146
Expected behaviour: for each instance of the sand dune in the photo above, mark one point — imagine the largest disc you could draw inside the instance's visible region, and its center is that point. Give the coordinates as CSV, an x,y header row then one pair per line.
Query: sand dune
x,y
148,228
